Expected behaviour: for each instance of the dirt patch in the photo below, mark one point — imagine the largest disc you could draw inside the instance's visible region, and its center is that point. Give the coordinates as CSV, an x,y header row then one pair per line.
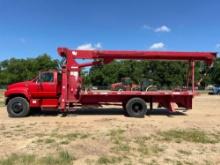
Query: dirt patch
x,y
106,136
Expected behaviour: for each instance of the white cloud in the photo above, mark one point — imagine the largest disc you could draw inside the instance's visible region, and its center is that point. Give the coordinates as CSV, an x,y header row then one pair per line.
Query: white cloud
x,y
158,45
98,45
89,46
162,28
218,45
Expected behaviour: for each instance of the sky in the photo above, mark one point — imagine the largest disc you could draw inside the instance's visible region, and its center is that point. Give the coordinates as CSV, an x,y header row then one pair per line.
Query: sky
x,y
29,28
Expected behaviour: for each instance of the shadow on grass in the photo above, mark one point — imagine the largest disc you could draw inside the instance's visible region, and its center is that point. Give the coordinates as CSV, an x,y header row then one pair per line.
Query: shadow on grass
x,y
103,111
80,111
166,112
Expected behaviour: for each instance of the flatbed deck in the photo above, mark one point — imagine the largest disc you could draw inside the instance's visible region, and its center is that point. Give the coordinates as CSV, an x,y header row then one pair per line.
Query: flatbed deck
x,y
164,98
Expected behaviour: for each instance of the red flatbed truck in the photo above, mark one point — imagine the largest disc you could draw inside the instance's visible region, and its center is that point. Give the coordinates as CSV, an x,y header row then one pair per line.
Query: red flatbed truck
x,y
62,90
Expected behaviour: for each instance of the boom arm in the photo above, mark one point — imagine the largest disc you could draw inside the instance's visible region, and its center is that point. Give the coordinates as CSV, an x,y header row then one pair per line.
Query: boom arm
x,y
207,57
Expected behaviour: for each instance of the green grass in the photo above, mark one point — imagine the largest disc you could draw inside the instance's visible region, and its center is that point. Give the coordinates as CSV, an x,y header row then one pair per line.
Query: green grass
x,y
76,135
1,95
2,104
63,158
109,160
118,139
142,140
146,148
49,141
184,152
18,159
189,135
65,142
70,136
45,141
150,149
121,147
59,138
203,91
39,141
2,92
40,134
116,136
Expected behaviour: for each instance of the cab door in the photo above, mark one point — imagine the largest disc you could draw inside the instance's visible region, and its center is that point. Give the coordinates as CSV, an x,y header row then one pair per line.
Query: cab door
x,y
45,85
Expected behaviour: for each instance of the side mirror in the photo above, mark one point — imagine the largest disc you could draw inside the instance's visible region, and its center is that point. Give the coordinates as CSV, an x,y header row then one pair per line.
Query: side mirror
x,y
38,79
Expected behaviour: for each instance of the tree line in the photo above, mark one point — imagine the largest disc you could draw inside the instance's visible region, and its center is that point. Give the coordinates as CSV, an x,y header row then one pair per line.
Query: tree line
x,y
16,70
165,74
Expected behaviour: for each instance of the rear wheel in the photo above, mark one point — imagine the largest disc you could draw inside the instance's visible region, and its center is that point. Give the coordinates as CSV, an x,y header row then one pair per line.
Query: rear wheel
x,y
18,107
136,107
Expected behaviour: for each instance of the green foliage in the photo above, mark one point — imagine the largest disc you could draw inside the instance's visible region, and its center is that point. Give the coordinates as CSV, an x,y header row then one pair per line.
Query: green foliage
x,y
215,73
16,70
165,74
161,72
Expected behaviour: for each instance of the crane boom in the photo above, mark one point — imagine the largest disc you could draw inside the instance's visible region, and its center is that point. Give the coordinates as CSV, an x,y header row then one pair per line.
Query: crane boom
x,y
207,57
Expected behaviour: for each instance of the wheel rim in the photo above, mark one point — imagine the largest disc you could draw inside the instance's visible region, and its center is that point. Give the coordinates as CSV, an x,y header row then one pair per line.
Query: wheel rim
x,y
17,107
137,107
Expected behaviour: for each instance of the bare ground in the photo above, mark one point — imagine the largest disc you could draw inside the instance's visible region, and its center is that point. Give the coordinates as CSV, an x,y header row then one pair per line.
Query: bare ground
x,y
106,136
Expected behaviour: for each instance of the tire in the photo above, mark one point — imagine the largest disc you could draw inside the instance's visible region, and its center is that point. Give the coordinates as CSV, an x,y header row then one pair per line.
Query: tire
x,y
18,107
124,106
136,107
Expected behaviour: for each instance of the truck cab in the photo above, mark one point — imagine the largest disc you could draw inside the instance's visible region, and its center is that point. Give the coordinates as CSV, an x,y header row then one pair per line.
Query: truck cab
x,y
43,91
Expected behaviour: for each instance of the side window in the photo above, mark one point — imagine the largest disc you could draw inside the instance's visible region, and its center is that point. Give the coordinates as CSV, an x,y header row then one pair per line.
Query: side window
x,y
46,77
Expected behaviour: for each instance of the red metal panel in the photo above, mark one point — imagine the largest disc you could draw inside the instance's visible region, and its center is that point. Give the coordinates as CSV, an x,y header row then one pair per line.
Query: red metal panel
x,y
63,97
53,103
182,98
50,103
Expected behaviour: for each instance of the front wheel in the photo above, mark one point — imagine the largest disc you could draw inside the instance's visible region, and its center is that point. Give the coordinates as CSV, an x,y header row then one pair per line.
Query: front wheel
x,y
18,107
136,107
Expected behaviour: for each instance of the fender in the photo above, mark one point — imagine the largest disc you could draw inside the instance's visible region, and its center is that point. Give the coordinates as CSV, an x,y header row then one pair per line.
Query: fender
x,y
23,92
